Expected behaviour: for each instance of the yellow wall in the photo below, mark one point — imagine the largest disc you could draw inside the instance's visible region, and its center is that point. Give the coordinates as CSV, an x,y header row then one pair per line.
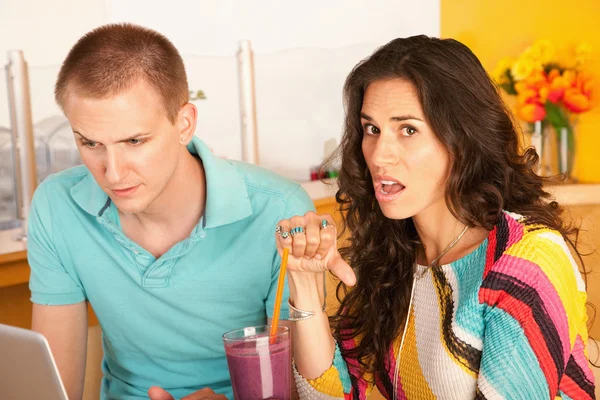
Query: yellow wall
x,y
494,29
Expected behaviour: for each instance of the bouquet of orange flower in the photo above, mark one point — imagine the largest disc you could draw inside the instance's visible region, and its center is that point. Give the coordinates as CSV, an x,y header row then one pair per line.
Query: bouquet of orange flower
x,y
550,87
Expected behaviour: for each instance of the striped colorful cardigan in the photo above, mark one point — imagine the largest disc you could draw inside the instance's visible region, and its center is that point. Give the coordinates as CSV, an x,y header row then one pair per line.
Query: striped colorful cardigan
x,y
507,321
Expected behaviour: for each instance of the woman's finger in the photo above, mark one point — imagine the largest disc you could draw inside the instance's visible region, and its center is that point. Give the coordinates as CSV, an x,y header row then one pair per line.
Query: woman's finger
x,y
313,235
298,234
327,236
282,235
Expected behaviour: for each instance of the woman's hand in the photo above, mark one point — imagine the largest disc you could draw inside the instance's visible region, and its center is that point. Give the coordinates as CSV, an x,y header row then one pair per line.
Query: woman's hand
x,y
312,240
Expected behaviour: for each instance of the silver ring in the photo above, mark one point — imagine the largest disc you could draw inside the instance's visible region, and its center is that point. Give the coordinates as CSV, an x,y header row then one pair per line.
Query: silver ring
x,y
297,230
278,229
285,234
325,224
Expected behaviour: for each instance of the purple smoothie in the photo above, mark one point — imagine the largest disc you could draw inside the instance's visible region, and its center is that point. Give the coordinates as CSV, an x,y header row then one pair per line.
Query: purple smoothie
x,y
258,369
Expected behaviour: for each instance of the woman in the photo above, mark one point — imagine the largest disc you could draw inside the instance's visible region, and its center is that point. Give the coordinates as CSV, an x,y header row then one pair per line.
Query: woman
x,y
464,286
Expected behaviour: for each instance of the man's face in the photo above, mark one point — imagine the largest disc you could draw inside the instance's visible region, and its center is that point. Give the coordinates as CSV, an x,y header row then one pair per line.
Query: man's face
x,y
128,144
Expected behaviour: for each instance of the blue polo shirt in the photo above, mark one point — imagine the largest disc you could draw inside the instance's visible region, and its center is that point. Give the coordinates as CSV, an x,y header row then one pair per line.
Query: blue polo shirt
x,y
162,319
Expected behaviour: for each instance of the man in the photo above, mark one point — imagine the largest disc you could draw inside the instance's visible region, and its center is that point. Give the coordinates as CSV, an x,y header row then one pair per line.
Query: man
x,y
171,245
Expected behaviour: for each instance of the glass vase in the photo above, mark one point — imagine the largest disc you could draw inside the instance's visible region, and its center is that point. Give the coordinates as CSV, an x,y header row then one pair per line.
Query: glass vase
x,y
543,140
555,147
565,139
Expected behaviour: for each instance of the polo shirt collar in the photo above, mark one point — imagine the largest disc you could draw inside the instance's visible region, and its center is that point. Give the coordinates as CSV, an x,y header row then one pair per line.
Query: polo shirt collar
x,y
89,196
227,199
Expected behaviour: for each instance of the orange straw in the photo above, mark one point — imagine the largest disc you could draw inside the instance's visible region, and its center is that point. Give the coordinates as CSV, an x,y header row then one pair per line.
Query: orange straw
x,y
279,295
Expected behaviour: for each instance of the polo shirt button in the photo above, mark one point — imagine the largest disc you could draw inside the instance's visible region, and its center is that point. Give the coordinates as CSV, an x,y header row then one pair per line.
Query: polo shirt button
x,y
136,252
202,235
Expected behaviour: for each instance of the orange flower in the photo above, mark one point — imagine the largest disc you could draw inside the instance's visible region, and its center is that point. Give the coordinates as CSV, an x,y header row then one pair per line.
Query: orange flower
x,y
570,76
547,94
521,86
534,82
554,73
576,101
540,76
555,95
537,80
586,88
583,82
531,112
527,96
558,85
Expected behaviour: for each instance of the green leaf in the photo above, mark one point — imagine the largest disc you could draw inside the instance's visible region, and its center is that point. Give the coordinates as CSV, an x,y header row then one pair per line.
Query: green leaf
x,y
508,88
556,116
549,67
199,95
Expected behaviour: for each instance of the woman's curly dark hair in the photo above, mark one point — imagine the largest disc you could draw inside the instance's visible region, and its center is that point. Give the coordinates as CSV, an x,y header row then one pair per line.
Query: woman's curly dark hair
x,y
488,174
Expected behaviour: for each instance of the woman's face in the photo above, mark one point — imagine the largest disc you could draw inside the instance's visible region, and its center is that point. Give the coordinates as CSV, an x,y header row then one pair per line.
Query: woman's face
x,y
408,164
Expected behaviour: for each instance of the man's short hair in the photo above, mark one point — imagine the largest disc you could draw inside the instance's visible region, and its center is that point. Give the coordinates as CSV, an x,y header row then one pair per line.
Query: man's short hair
x,y
110,59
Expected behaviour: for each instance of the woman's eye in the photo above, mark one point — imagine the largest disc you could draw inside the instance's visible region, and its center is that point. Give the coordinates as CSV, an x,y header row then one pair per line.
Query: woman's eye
x,y
409,130
371,129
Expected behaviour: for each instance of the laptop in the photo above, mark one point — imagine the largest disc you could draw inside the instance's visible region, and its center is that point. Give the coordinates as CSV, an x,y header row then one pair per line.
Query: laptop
x,y
27,368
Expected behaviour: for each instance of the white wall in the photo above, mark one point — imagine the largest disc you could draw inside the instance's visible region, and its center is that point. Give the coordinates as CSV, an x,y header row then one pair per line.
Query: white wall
x,y
213,27
303,52
45,31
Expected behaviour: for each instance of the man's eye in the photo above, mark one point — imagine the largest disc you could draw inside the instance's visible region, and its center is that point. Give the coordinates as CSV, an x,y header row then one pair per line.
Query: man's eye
x,y
88,144
136,142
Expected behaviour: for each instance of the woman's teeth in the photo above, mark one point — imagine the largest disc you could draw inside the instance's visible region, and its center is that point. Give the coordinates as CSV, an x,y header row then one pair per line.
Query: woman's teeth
x,y
389,185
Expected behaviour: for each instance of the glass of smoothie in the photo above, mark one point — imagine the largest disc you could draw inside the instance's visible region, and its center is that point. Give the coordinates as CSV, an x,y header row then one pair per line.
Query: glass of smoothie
x,y
259,364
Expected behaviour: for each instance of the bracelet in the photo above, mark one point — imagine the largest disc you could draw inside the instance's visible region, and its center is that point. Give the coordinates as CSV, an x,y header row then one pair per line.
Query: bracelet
x,y
296,314
300,315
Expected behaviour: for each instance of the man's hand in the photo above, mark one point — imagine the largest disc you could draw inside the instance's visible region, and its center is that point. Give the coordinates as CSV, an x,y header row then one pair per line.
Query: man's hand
x,y
68,341
156,393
